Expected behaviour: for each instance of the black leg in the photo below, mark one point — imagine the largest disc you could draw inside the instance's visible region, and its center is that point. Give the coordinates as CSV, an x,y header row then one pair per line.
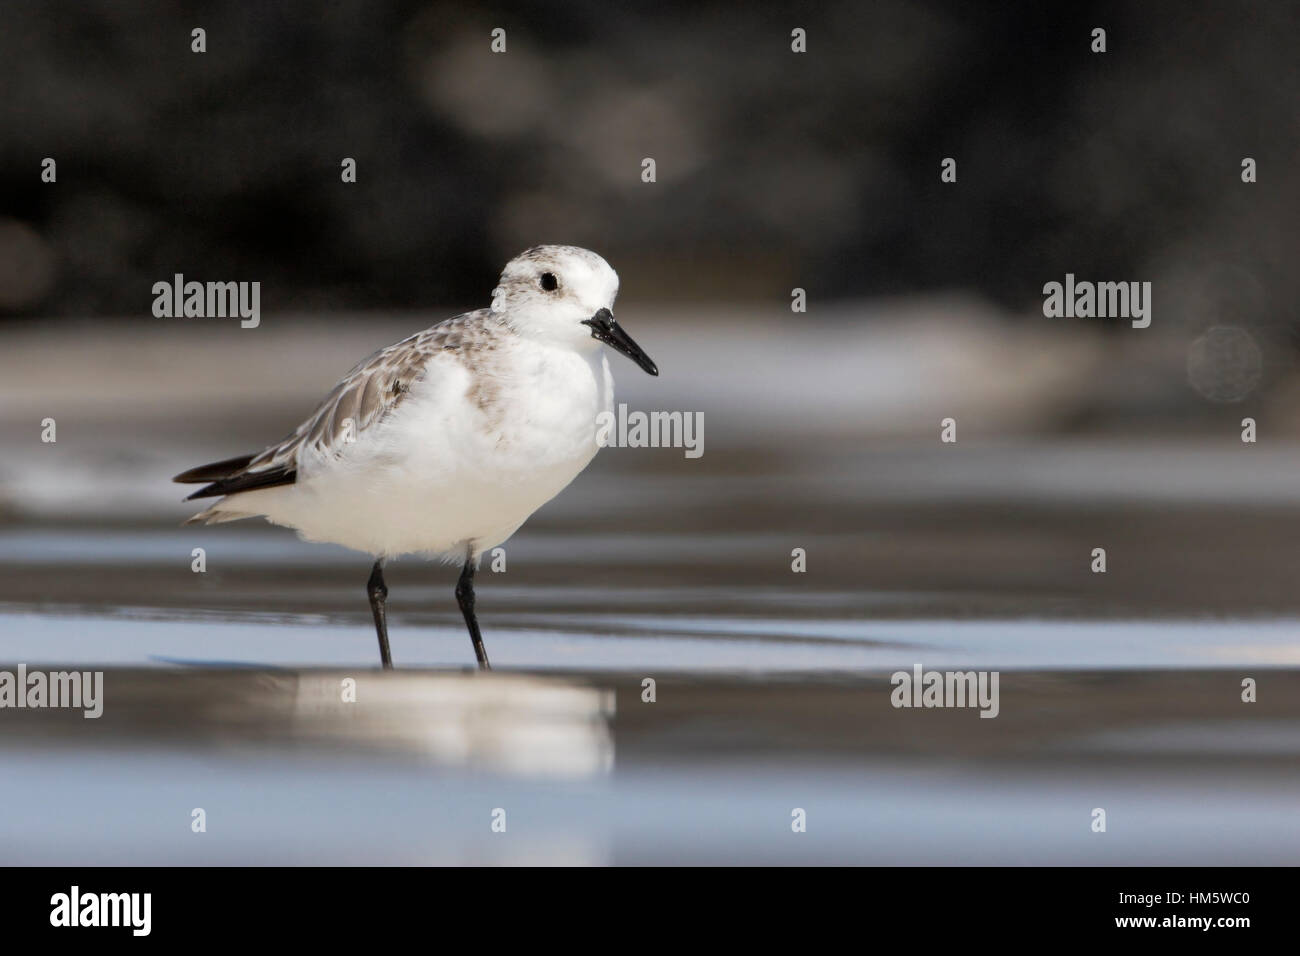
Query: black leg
x,y
465,598
378,592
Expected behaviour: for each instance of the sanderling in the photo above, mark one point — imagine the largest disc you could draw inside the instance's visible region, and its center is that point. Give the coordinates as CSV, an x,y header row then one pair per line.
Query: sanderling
x,y
446,442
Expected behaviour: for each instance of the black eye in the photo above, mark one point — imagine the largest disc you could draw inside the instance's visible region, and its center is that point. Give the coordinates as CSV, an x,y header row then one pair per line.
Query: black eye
x,y
549,282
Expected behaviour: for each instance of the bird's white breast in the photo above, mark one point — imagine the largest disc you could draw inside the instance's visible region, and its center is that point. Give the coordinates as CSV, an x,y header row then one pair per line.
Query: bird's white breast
x,y
482,441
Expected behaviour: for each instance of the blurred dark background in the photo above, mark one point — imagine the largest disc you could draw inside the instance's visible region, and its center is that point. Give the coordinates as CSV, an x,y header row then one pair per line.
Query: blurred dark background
x,y
774,169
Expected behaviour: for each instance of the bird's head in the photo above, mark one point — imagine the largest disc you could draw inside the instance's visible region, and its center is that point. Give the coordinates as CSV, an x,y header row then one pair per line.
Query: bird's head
x,y
565,294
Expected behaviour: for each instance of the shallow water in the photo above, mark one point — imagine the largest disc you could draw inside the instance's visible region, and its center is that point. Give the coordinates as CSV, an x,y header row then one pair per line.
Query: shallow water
x,y
223,689
587,773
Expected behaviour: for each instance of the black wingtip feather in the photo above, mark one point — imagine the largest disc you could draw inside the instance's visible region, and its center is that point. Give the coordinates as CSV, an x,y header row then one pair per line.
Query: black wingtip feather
x,y
247,481
215,471
229,476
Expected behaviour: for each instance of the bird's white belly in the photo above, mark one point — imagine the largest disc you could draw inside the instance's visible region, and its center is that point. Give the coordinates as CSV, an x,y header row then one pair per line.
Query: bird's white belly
x,y
462,462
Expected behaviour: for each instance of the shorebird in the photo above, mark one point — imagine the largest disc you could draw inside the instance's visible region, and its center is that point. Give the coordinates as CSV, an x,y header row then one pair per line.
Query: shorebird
x,y
444,443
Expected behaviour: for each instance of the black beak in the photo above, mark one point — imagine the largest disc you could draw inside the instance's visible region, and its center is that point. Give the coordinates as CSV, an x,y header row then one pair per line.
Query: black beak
x,y
604,329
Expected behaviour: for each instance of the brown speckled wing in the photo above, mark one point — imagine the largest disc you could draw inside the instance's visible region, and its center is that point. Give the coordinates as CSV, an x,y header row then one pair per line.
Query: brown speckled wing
x,y
366,395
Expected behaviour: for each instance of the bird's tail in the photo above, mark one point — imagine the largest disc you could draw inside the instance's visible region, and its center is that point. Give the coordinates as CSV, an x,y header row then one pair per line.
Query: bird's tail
x,y
219,513
226,478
